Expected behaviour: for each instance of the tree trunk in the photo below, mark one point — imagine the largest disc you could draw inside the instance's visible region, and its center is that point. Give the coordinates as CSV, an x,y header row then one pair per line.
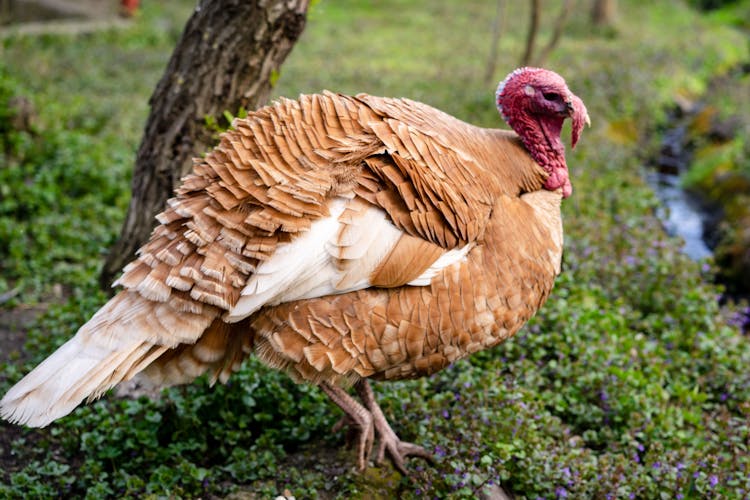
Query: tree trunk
x,y
227,59
603,13
531,33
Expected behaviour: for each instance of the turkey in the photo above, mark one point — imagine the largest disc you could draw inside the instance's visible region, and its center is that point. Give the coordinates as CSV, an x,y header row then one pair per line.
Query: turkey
x,y
340,239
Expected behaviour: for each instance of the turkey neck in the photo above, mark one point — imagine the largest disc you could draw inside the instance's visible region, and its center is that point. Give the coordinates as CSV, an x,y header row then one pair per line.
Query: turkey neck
x,y
507,165
541,137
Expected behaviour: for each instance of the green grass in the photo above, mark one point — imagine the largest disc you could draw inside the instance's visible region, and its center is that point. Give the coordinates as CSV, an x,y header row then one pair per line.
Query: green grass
x,y
630,381
65,182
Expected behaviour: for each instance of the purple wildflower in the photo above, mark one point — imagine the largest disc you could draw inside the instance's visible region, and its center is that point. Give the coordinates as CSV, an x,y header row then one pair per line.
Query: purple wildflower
x,y
713,480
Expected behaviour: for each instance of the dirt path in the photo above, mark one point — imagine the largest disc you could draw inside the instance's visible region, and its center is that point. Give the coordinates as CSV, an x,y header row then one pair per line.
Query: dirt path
x,y
60,17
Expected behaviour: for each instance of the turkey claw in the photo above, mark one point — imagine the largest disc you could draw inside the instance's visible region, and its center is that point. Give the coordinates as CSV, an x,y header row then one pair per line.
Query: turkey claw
x,y
368,422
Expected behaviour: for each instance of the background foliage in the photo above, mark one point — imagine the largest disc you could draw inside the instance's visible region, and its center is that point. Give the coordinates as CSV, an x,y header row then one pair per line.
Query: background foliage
x,y
631,382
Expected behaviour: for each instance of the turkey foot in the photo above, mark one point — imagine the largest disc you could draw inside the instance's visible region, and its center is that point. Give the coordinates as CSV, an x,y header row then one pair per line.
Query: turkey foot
x,y
359,417
387,439
368,421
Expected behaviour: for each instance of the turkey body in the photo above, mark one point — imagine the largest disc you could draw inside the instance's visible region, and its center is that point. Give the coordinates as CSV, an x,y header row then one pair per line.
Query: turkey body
x,y
338,238
412,331
382,233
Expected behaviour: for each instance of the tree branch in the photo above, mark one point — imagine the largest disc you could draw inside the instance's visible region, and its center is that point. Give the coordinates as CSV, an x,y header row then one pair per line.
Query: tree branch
x,y
497,26
562,19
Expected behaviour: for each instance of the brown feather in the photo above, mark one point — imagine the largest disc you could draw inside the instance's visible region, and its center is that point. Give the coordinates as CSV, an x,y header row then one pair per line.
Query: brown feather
x,y
440,181
407,261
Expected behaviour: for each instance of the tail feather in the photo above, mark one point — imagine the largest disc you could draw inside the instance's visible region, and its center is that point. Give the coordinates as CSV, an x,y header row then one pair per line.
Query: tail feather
x,y
145,361
60,383
117,343
219,351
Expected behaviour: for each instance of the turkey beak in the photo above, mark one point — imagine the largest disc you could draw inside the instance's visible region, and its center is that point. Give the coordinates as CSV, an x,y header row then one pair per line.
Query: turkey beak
x,y
579,115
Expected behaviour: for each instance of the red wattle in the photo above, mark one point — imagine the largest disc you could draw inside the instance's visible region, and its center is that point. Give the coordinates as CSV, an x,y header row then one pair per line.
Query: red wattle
x,y
559,179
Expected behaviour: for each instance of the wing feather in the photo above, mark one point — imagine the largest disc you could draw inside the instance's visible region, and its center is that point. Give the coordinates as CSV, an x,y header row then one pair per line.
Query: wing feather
x,y
355,247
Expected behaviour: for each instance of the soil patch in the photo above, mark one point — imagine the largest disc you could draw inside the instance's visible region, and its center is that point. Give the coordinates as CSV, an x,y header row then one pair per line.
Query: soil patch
x,y
14,324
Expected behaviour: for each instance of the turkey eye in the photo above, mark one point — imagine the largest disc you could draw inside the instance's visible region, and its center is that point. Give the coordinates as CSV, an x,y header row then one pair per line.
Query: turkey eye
x,y
551,96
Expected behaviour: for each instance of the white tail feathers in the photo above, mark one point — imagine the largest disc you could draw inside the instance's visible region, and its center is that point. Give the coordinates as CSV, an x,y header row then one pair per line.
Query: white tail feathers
x,y
113,346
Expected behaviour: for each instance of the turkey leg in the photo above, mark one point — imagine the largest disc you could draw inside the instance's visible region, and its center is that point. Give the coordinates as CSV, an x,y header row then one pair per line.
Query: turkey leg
x,y
387,439
368,421
359,416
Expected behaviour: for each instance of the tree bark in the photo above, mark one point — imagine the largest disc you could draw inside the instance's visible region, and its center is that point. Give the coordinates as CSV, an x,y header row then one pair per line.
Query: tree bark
x,y
227,58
